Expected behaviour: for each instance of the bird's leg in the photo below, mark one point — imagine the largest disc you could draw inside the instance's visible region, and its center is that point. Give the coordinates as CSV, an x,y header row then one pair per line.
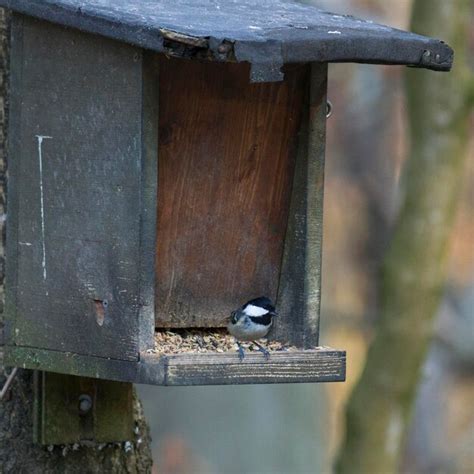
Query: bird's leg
x,y
262,349
241,351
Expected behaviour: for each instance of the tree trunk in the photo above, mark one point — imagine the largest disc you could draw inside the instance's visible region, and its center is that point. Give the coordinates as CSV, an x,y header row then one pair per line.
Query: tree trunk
x,y
414,269
18,454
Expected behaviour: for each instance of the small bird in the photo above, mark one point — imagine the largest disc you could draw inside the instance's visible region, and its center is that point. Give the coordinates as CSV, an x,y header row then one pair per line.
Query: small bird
x,y
252,321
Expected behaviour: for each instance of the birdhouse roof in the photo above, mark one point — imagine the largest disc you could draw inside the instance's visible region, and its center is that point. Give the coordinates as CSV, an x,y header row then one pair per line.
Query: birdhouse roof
x,y
265,33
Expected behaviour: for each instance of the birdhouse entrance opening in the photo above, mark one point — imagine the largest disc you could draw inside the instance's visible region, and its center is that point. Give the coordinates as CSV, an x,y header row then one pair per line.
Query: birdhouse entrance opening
x,y
225,172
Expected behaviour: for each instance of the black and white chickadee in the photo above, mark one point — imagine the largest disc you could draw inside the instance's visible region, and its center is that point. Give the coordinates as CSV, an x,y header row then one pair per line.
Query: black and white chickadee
x,y
252,321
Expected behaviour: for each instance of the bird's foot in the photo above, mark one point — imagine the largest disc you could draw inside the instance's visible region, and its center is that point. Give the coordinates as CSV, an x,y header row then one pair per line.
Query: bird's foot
x,y
262,349
241,352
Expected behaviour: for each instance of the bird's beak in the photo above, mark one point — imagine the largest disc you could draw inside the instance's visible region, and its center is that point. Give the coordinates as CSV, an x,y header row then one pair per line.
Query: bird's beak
x,y
225,319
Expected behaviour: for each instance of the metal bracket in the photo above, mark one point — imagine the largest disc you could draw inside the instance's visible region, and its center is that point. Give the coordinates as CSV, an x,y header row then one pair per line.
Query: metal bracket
x,y
328,108
70,409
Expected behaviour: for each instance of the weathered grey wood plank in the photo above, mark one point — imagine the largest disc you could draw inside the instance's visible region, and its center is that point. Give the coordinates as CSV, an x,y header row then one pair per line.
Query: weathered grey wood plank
x,y
149,192
14,142
70,363
282,367
318,365
299,293
266,34
83,144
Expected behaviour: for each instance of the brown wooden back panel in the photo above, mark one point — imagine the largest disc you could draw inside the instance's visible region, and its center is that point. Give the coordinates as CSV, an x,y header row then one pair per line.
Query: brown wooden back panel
x,y
226,161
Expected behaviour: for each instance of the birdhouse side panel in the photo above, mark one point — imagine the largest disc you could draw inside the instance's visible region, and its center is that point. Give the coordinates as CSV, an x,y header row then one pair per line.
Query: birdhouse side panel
x,y
299,293
74,196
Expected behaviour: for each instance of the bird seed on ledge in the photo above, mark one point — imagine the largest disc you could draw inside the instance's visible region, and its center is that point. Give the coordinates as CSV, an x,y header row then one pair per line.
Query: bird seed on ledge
x,y
178,341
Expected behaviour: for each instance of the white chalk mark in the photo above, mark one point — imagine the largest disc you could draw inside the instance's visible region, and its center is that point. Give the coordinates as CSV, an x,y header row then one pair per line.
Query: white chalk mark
x,y
26,244
335,32
40,159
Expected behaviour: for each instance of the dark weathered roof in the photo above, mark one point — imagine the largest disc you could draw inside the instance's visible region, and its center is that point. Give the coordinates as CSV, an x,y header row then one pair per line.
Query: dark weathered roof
x,y
266,33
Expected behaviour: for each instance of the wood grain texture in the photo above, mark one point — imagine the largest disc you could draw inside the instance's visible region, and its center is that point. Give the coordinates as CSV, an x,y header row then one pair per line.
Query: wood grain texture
x,y
226,160
148,191
75,197
266,33
317,365
224,369
299,293
72,364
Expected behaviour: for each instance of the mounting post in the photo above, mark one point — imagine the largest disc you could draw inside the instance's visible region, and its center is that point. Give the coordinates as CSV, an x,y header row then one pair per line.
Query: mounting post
x,y
71,409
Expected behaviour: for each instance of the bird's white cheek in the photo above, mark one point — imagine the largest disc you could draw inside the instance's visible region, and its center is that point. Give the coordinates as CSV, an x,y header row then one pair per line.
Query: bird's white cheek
x,y
252,310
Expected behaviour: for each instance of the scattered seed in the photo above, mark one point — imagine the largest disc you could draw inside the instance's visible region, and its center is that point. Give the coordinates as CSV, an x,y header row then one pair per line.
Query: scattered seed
x,y
204,341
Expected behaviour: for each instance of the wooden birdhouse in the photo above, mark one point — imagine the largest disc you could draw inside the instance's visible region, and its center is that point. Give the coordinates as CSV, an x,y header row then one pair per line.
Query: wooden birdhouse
x,y
166,164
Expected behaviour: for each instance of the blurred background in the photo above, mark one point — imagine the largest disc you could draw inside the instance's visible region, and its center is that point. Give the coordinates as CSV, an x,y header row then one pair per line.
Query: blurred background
x,y
298,428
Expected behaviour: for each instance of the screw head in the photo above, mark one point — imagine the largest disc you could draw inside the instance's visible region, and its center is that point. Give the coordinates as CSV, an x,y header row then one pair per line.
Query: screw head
x,y
85,404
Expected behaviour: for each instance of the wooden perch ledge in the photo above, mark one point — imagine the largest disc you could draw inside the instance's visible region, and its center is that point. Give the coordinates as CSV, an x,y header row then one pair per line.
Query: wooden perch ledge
x,y
318,365
321,364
